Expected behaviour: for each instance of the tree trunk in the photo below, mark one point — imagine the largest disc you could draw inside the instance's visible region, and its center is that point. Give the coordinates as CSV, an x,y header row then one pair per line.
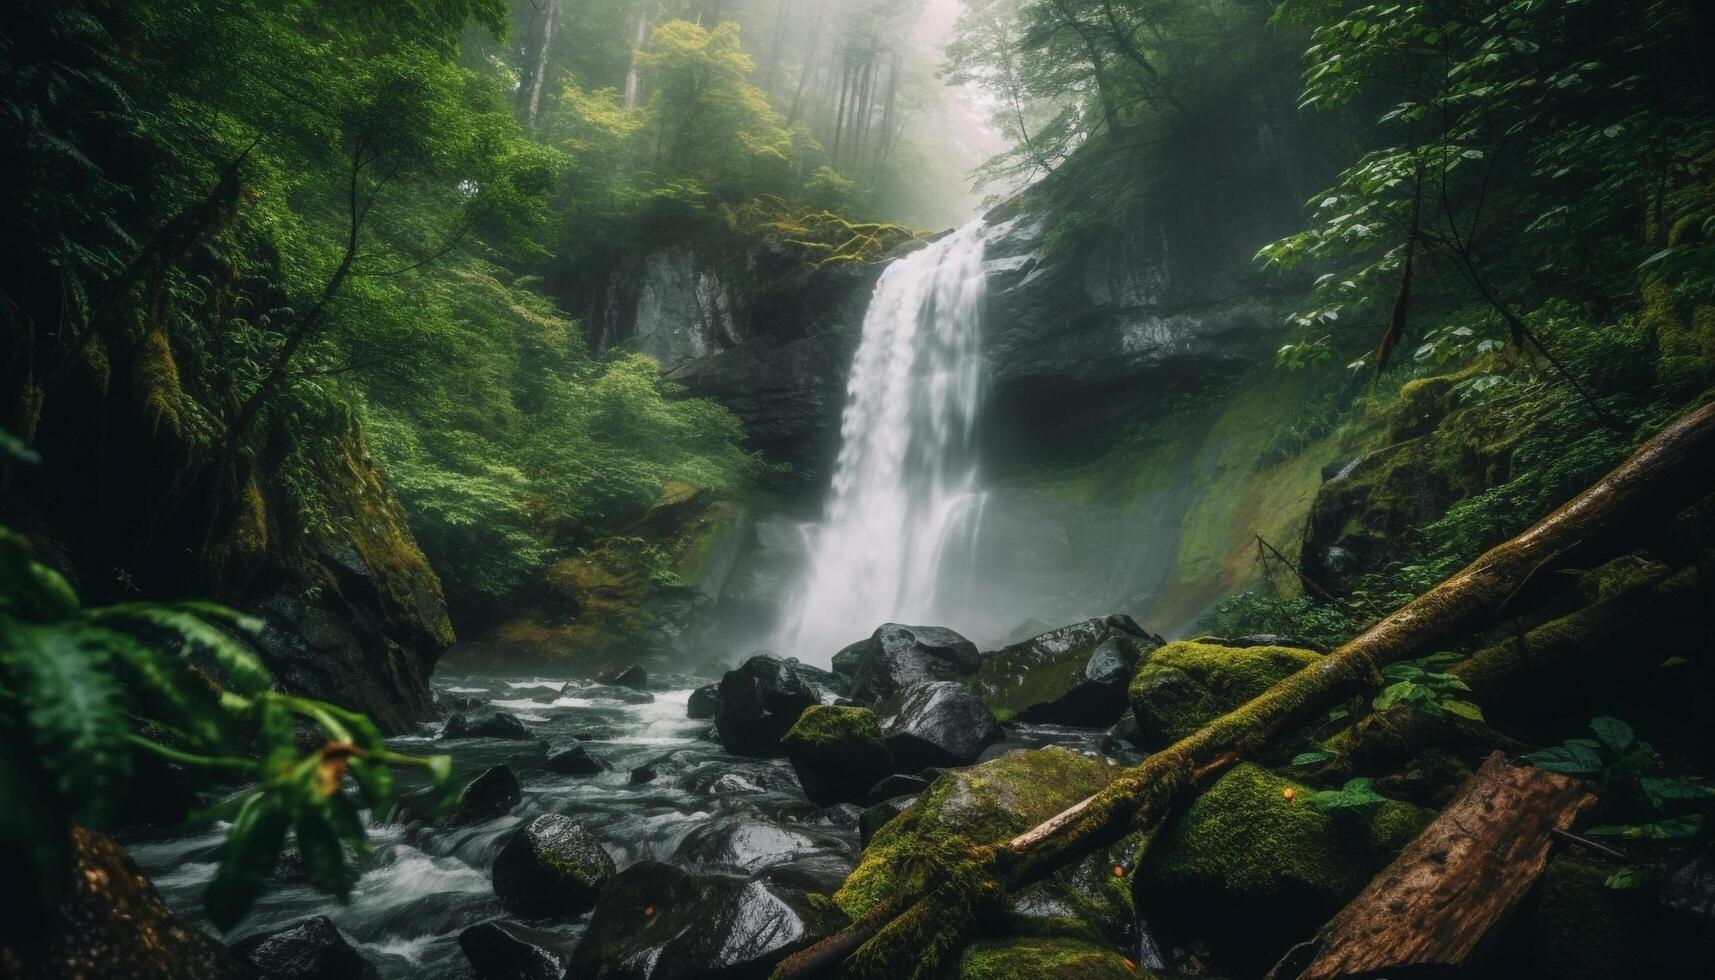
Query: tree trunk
x,y
1432,910
860,121
812,47
840,114
1672,470
539,71
885,141
776,42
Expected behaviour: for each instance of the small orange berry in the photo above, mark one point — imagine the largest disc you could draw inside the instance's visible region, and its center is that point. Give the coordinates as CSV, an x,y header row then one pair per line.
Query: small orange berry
x,y
1287,792
1128,963
648,910
1119,872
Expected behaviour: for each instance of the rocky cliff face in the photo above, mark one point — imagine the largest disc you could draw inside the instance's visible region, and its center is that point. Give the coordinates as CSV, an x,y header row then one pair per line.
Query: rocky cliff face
x,y
127,502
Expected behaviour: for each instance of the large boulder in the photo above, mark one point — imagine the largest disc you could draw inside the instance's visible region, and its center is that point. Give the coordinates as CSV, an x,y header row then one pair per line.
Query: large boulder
x,y
746,843
574,761
896,656
1256,869
936,723
1184,685
703,702
110,923
313,949
759,702
659,922
987,805
551,866
1074,675
632,676
838,753
501,950
492,794
497,725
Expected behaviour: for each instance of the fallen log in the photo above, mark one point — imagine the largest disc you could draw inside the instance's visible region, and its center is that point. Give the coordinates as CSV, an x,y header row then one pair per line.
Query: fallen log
x,y
1670,471
1432,911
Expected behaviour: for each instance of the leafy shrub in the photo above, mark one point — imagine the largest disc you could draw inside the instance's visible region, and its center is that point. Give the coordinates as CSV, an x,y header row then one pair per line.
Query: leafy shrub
x,y
82,689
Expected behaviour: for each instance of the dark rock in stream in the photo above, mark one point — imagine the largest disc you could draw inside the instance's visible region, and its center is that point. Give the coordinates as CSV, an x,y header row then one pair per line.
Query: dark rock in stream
x,y
551,866
936,723
492,794
837,753
896,656
313,949
1074,675
574,761
658,922
748,844
633,676
501,950
703,702
759,702
606,692
498,725
1124,736
646,773
898,784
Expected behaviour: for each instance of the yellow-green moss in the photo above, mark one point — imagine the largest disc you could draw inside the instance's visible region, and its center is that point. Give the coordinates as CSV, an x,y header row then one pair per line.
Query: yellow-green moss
x,y
981,806
1029,958
1245,837
1576,928
1183,685
824,725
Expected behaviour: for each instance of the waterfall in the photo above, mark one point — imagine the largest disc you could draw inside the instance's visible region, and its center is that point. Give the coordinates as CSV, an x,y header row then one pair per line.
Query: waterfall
x,y
897,540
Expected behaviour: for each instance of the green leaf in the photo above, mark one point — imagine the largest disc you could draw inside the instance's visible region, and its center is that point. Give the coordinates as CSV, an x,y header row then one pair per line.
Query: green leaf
x,y
1613,732
319,843
74,713
1673,828
15,450
1574,760
1631,876
1313,757
236,664
247,858
1464,709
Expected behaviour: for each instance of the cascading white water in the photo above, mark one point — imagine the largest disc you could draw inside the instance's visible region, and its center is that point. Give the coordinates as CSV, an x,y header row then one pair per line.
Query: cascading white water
x,y
897,541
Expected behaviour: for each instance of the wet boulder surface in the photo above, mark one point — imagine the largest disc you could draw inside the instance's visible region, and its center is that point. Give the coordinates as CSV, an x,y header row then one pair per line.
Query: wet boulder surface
x,y
936,723
575,760
493,793
656,921
1185,684
502,950
313,949
1074,675
896,656
759,701
499,725
838,753
703,702
551,866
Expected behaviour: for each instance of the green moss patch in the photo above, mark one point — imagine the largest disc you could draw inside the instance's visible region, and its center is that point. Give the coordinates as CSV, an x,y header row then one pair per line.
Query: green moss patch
x,y
1031,958
1185,684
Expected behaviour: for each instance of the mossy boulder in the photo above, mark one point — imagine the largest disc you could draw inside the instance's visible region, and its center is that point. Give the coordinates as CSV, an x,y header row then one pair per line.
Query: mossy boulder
x,y
1186,683
1253,869
987,805
492,794
1074,675
1045,958
758,702
1574,927
838,753
551,866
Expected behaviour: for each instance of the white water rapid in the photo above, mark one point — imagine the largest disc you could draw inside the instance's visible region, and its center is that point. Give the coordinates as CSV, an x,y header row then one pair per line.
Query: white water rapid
x,y
897,542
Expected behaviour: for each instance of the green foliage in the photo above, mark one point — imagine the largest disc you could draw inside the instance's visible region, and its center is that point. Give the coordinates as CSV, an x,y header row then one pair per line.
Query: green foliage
x,y
1356,794
1633,785
83,689
1418,685
1259,611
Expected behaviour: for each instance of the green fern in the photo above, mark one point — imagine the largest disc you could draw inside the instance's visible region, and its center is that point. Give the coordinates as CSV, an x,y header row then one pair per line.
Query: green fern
x,y
82,690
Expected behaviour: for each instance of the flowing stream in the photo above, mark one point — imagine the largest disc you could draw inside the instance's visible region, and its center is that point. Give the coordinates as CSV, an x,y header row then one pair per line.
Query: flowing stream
x,y
898,539
427,881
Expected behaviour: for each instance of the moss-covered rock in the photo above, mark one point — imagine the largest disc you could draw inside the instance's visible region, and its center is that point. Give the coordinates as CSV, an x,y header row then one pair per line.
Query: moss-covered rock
x,y
1253,869
1074,675
837,752
1186,683
988,805
551,866
1031,958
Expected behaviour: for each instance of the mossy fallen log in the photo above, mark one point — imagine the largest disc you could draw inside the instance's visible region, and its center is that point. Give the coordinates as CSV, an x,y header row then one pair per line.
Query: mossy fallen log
x,y
1433,909
917,928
